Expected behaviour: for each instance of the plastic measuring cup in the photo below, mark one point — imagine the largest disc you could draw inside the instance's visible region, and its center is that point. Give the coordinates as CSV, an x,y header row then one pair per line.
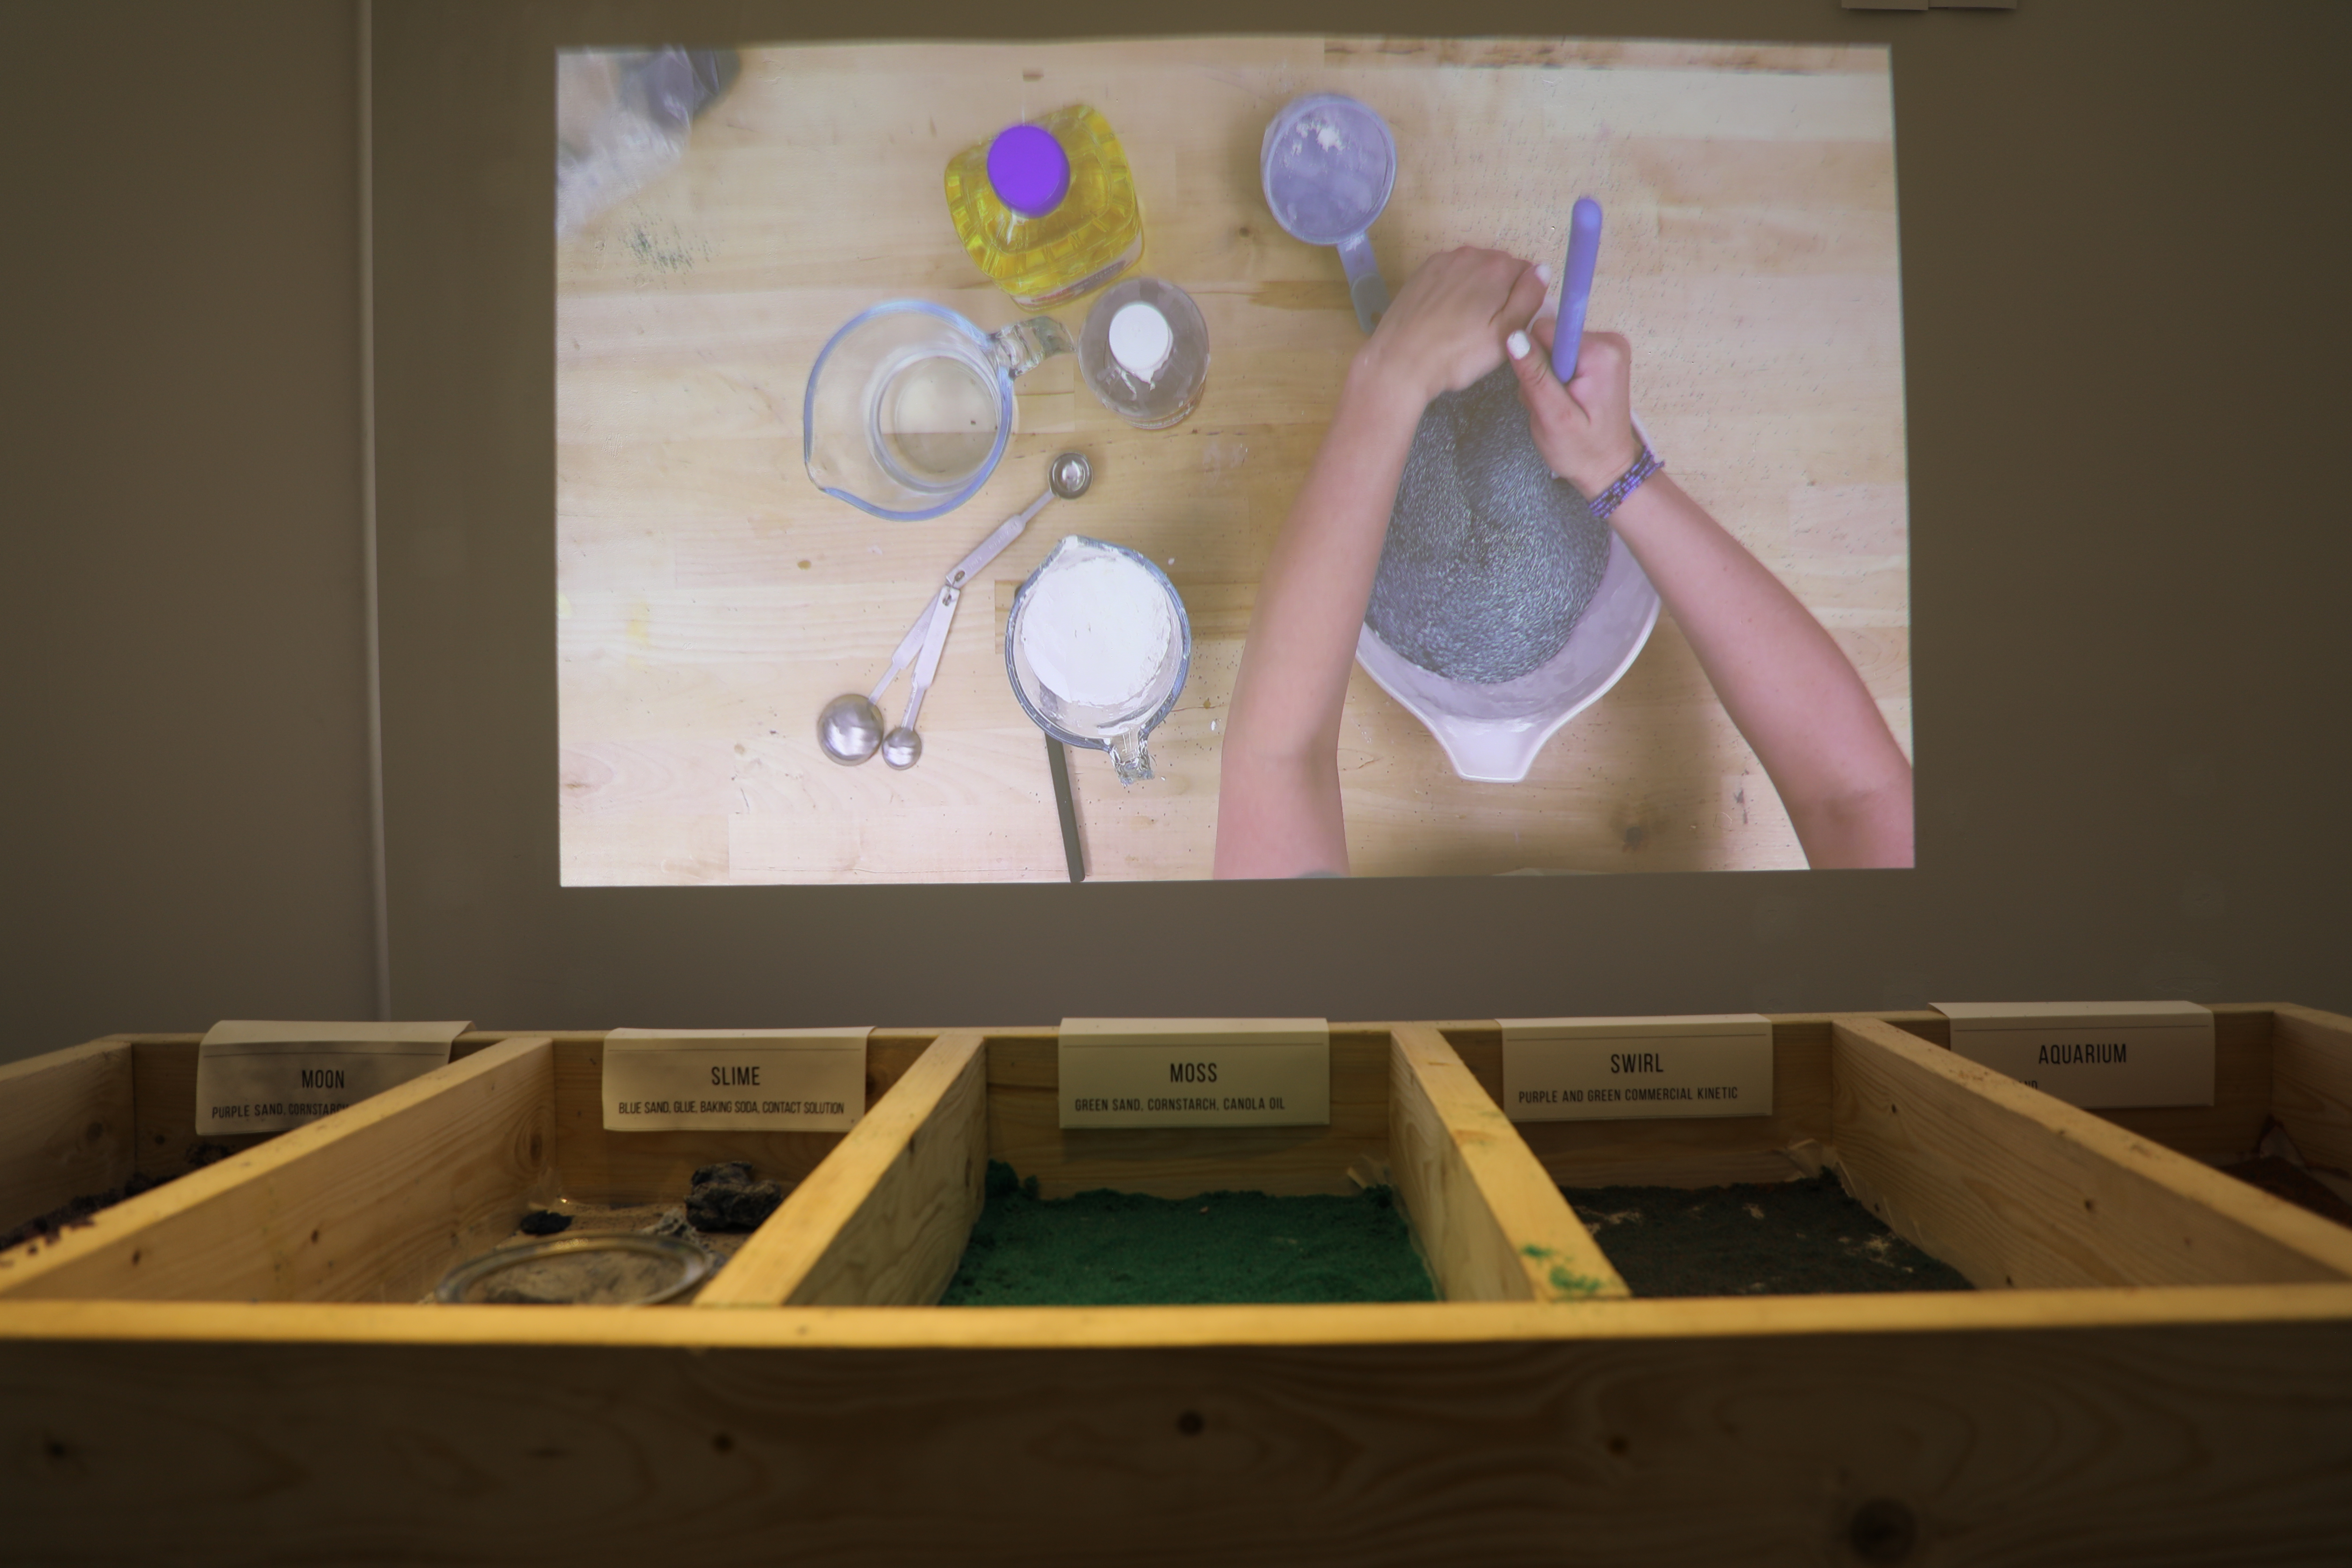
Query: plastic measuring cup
x,y
1327,165
909,406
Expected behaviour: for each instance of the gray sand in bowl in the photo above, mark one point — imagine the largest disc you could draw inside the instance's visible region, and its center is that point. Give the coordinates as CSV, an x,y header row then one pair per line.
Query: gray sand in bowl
x,y
1489,559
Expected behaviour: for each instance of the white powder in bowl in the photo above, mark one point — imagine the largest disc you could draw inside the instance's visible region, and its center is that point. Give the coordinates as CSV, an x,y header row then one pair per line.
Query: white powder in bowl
x,y
1096,629
1140,339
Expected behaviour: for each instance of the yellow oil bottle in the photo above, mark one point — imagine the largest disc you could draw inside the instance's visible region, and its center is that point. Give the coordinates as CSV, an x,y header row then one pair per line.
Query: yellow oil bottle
x,y
1047,209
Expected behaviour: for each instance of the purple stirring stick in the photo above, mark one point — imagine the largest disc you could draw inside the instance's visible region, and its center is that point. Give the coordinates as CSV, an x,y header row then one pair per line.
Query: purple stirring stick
x,y
1576,286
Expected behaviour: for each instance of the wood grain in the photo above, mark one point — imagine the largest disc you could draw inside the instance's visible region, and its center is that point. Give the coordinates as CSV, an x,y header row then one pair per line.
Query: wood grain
x,y
2218,1133
66,1128
883,1221
2215,1439
2311,1065
2013,1187
163,1098
1265,1325
1025,1131
375,1203
1491,1223
1653,53
2228,1128
711,599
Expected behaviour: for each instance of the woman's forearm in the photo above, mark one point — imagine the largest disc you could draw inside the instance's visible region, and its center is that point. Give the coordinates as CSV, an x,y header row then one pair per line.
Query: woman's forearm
x,y
1319,578
1787,685
1280,810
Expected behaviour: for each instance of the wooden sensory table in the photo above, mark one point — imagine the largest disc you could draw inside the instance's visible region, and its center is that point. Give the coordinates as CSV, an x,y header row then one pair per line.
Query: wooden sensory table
x,y
235,1367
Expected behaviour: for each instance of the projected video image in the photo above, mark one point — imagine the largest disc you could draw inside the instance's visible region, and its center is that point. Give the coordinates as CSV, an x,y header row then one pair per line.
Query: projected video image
x,y
1242,457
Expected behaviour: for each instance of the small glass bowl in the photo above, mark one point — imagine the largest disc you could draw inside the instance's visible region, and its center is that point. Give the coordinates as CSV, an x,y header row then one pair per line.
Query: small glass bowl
x,y
1173,391
622,1270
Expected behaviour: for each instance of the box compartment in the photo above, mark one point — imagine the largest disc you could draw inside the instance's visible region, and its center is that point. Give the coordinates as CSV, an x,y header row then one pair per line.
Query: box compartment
x,y
2009,1185
885,1221
373,1204
2273,1063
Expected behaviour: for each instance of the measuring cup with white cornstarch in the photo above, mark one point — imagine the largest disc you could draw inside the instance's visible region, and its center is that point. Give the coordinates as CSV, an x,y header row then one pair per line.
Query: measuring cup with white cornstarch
x,y
909,406
1097,647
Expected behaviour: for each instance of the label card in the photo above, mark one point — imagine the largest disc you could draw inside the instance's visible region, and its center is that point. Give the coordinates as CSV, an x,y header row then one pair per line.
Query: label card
x,y
256,1076
1195,1072
1624,1070
2101,1055
741,1080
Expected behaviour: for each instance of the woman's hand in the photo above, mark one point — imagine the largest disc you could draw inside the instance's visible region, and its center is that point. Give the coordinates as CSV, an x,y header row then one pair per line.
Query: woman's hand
x,y
1797,699
1584,429
1445,328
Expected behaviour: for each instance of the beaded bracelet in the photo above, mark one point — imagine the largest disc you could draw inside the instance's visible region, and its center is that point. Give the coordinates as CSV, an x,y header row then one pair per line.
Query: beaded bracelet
x,y
1610,499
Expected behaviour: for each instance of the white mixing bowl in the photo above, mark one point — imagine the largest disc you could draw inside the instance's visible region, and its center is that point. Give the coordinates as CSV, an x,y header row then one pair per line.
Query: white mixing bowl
x,y
1492,734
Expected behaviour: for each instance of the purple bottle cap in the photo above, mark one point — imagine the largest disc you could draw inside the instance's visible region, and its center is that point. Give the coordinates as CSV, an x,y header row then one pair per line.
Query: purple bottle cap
x,y
1030,172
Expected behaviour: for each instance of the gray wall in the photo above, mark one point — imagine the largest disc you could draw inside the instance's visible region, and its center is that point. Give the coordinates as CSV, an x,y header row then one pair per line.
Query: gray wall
x,y
185,799
2132,675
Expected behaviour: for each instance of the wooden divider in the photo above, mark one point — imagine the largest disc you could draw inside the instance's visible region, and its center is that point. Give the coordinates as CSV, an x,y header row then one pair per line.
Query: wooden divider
x,y
66,1121
2015,1188
884,1220
373,1202
2311,1084
1491,1222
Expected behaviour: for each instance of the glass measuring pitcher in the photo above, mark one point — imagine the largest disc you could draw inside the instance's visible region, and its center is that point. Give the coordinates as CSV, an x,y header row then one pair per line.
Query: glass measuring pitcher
x,y
909,406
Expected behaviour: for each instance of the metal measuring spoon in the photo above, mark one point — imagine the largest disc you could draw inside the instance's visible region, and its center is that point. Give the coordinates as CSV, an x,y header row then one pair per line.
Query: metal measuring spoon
x,y
850,728
902,748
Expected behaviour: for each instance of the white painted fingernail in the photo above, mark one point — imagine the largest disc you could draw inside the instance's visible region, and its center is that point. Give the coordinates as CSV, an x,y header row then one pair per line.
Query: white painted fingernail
x,y
1518,345
1543,273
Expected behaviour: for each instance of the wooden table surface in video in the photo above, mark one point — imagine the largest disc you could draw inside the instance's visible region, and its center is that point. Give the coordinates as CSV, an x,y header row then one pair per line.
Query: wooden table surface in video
x,y
712,599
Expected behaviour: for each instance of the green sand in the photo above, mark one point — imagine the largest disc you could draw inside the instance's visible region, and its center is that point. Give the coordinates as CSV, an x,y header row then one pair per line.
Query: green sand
x,y
1780,1238
1120,1249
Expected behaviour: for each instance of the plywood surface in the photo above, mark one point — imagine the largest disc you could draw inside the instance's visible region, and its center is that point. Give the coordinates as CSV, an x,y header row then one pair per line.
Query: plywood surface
x,y
711,599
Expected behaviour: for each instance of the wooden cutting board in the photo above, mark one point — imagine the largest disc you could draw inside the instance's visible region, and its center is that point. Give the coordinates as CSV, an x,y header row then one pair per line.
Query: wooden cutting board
x,y
711,599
